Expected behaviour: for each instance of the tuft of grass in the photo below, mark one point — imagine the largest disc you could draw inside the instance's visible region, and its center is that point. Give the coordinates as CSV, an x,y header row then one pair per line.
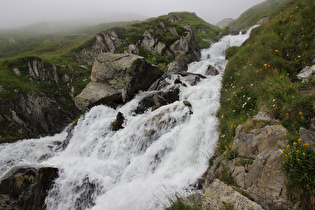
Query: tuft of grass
x,y
179,204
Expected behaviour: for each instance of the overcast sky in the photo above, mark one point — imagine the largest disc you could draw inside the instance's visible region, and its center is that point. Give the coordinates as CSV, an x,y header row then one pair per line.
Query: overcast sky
x,y
15,13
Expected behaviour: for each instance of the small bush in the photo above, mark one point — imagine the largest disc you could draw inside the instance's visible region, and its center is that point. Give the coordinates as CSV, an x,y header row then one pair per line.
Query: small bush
x,y
298,163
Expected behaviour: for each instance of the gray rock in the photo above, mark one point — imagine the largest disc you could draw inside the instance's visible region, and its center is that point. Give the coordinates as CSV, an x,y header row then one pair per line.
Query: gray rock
x,y
177,66
306,74
148,42
27,187
263,20
42,114
116,78
173,31
224,193
132,49
17,71
191,78
264,116
259,140
212,71
173,17
308,137
117,124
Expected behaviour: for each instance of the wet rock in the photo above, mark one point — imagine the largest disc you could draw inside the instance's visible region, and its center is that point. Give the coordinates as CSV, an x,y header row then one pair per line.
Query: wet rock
x,y
117,124
212,71
153,101
191,78
27,187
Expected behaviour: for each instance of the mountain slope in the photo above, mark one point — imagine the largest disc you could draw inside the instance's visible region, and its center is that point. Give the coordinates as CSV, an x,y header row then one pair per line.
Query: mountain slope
x,y
268,8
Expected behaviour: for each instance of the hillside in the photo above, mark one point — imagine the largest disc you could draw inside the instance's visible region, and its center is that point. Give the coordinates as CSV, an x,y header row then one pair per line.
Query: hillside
x,y
268,8
266,147
42,72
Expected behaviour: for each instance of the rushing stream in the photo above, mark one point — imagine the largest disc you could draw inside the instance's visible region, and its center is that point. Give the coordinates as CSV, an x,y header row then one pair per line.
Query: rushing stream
x,y
157,155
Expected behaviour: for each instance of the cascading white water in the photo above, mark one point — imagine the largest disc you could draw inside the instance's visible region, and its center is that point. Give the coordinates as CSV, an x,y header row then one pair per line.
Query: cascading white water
x,y
155,156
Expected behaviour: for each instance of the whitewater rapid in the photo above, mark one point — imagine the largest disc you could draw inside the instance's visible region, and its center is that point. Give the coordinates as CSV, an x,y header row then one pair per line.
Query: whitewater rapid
x,y
155,157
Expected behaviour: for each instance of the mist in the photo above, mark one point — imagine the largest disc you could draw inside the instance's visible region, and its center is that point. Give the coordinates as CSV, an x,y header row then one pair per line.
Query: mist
x,y
17,13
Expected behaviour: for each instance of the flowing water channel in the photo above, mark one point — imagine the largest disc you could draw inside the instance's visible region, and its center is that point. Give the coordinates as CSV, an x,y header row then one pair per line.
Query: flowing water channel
x,y
157,155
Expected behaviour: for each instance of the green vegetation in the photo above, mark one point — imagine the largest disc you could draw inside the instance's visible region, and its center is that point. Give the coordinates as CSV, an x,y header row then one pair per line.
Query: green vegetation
x,y
179,204
269,8
269,62
298,164
261,75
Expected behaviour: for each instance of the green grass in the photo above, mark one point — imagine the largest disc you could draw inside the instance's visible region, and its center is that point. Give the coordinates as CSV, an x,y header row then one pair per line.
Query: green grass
x,y
180,205
268,8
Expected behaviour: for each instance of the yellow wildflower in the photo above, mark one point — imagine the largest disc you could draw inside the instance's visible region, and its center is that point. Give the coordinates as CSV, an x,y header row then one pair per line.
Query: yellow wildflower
x,y
276,50
302,118
294,143
299,140
280,154
300,113
291,16
298,160
288,146
304,153
282,150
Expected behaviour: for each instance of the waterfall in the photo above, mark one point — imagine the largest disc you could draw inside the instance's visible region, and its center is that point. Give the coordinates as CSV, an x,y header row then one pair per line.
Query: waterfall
x,y
157,155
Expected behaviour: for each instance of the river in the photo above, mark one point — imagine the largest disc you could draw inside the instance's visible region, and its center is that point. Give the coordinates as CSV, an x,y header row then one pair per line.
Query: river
x,y
157,156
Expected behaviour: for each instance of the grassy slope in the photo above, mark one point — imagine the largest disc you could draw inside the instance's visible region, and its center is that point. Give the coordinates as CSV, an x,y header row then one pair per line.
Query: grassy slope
x,y
268,8
262,75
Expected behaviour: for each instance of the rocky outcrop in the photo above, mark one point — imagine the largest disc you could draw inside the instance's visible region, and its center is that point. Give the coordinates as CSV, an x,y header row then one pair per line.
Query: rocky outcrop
x,y
34,114
116,78
26,187
178,45
306,74
187,47
257,169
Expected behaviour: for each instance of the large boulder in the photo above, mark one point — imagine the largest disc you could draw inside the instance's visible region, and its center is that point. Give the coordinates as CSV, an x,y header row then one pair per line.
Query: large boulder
x,y
27,187
116,78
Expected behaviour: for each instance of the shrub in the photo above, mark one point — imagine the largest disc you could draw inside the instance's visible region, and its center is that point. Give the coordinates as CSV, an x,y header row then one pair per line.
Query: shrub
x,y
298,163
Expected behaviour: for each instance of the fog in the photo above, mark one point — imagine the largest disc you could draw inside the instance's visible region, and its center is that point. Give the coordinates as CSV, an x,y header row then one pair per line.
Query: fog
x,y
16,13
